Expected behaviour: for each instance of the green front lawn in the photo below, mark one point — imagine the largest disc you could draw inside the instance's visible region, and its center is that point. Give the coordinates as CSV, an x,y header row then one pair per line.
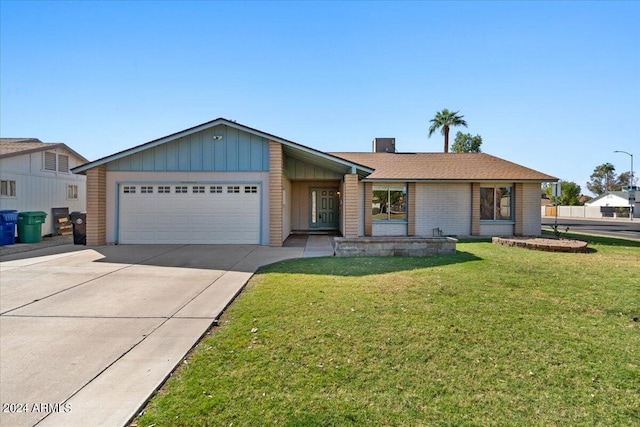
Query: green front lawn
x,y
491,336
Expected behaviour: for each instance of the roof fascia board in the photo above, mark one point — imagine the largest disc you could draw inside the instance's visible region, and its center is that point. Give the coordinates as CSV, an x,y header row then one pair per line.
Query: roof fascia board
x,y
52,146
208,125
458,181
325,156
301,147
147,145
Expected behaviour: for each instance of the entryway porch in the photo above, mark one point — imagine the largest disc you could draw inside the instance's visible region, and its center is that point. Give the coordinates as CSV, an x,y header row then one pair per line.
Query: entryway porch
x,y
315,245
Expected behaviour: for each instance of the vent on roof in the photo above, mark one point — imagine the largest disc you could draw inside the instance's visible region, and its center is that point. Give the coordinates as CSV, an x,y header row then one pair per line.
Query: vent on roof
x,y
384,145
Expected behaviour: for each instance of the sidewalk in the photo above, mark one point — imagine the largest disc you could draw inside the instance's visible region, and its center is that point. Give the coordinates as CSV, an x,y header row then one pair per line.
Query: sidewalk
x,y
47,242
580,218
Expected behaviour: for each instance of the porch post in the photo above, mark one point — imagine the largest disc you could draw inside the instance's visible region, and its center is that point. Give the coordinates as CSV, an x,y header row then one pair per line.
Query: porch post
x,y
518,211
350,204
411,209
368,215
475,209
97,206
275,194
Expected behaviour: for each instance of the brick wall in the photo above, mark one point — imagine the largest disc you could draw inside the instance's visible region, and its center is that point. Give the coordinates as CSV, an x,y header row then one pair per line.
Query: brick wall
x,y
518,209
361,209
97,206
475,209
368,216
531,216
411,209
275,194
443,206
350,204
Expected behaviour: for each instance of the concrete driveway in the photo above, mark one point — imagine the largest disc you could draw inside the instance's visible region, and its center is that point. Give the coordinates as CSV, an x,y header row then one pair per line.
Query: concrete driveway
x,y
87,336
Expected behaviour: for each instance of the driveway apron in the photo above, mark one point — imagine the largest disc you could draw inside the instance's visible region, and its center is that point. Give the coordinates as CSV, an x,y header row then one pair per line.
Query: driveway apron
x,y
87,336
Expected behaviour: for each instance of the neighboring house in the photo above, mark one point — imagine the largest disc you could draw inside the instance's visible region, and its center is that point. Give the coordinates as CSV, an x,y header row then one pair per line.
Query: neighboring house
x,y
223,182
36,176
614,199
615,202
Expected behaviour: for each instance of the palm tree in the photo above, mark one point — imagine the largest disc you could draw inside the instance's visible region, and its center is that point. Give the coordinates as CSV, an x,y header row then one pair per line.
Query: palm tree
x,y
445,119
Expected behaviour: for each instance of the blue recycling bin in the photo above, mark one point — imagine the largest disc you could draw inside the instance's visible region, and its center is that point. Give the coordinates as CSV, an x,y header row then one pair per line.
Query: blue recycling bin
x,y
8,220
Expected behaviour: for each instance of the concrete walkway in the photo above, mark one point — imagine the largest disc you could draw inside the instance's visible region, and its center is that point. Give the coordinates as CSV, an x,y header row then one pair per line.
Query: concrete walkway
x,y
319,245
89,334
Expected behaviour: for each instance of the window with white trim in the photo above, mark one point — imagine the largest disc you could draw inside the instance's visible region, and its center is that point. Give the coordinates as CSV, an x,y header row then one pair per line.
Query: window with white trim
x,y
129,189
233,189
182,189
164,189
72,192
197,189
8,188
146,189
250,188
496,203
215,189
389,203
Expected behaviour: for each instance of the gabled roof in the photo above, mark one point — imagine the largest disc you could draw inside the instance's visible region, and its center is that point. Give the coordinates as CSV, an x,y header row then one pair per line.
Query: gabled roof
x,y
290,148
443,167
623,195
10,147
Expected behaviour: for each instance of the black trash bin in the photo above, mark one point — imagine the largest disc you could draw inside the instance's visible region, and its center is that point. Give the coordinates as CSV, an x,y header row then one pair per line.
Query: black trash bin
x,y
79,220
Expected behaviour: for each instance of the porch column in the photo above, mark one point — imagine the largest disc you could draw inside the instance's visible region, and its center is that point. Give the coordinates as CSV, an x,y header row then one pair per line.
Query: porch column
x,y
350,204
475,209
97,206
518,211
368,215
411,209
275,194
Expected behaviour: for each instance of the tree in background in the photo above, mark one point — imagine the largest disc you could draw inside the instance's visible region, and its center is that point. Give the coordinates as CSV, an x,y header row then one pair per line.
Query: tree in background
x,y
444,120
465,143
624,180
603,179
569,194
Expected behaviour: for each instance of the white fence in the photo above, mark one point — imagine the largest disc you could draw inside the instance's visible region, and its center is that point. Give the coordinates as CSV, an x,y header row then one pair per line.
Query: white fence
x,y
581,212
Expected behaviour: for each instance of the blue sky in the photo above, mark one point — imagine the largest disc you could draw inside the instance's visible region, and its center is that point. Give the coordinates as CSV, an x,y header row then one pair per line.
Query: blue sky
x,y
551,85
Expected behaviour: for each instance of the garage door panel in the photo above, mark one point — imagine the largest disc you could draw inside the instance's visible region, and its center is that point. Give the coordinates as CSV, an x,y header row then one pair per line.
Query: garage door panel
x,y
164,214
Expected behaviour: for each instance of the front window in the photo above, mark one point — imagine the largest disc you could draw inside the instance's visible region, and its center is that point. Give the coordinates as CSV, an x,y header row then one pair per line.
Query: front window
x,y
495,203
389,203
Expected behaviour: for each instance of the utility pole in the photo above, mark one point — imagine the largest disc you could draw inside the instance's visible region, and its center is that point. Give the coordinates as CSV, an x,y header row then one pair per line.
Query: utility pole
x,y
632,188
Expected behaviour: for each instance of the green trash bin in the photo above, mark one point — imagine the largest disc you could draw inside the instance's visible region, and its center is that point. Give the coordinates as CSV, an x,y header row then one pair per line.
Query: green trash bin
x,y
30,226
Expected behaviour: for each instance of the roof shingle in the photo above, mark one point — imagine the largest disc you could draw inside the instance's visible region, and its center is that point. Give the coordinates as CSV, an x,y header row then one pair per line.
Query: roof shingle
x,y
443,167
10,147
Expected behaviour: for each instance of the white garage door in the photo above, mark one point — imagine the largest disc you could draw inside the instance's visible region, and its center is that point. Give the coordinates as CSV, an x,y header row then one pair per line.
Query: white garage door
x,y
189,213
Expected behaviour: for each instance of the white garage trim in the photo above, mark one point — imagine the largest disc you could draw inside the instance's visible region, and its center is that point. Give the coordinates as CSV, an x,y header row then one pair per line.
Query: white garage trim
x,y
189,212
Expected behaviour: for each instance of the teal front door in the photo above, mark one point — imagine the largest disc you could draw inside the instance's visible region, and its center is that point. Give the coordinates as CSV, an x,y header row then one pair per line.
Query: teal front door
x,y
323,209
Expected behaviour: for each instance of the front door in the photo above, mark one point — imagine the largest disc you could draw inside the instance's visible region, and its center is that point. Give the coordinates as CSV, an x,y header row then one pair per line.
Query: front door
x,y
323,209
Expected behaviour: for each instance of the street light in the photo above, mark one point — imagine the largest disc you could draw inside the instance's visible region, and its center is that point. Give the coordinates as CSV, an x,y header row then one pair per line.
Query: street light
x,y
632,188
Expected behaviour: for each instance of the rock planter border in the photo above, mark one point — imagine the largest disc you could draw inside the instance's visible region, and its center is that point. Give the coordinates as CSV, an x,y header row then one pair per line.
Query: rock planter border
x,y
394,246
542,243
